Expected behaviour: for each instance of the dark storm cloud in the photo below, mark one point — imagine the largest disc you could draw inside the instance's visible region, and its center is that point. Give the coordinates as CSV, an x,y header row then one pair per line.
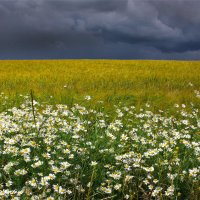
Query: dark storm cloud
x,y
154,29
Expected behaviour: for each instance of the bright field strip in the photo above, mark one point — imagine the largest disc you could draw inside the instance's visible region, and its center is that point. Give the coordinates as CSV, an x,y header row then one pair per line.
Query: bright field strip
x,y
162,83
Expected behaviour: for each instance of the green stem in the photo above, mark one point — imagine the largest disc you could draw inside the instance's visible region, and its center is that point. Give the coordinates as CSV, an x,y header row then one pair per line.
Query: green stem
x,y
91,183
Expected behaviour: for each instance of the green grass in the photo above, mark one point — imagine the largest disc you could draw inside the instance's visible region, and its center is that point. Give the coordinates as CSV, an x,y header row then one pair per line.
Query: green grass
x,y
85,151
62,152
161,82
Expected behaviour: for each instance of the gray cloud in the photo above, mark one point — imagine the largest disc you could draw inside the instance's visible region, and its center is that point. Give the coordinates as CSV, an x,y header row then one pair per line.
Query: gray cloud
x,y
157,29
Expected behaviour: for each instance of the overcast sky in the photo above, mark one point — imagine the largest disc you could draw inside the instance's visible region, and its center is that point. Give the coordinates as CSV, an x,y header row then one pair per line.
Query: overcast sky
x,y
117,29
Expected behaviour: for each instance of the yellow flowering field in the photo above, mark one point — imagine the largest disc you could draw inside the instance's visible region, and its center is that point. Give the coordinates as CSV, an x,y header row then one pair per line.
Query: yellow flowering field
x,y
161,82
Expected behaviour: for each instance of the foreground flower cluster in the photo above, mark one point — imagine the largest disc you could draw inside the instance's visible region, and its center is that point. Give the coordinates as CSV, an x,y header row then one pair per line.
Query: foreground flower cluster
x,y
60,152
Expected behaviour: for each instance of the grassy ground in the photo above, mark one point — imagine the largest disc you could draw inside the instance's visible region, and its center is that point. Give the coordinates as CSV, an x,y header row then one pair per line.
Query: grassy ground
x,y
84,151
160,82
63,153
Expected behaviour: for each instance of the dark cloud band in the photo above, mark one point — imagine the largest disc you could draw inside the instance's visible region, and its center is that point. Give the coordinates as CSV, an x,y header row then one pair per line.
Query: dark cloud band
x,y
75,28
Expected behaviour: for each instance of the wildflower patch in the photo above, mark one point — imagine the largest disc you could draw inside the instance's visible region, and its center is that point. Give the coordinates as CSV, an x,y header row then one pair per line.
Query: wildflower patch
x,y
79,152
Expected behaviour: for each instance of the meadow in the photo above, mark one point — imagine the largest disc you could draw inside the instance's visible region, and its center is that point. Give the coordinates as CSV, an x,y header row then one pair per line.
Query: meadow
x,y
163,83
99,130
